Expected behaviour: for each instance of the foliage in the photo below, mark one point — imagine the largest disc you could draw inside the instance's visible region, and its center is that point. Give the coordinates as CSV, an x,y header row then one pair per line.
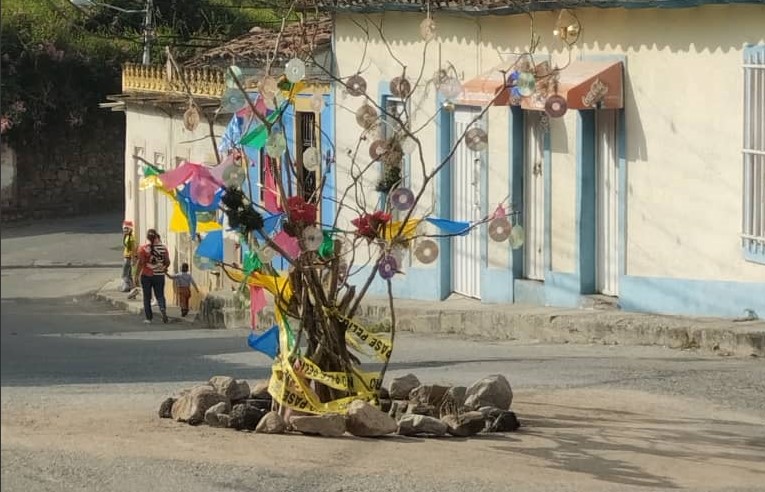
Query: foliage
x,y
59,62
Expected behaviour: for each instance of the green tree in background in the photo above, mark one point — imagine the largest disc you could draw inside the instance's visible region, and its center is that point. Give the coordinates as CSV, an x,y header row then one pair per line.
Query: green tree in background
x,y
59,62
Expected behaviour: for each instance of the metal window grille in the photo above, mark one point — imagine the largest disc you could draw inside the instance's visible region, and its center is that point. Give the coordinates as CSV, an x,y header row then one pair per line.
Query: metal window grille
x,y
306,125
753,228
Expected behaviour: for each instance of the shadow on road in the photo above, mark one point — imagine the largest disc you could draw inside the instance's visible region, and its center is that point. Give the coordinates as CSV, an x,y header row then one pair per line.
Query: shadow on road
x,y
590,441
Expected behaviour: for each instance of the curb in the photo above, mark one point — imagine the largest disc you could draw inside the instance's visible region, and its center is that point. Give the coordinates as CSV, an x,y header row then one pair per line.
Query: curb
x,y
59,264
536,324
550,325
111,296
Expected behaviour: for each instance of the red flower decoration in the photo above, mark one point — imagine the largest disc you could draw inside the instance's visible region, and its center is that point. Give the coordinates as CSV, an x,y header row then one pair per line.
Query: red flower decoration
x,y
300,211
368,225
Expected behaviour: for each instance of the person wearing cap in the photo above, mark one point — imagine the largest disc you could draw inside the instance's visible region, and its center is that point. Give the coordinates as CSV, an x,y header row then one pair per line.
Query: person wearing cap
x,y
128,254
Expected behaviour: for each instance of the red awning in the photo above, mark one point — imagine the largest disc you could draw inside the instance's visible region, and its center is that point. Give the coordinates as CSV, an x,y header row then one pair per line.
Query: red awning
x,y
584,84
481,90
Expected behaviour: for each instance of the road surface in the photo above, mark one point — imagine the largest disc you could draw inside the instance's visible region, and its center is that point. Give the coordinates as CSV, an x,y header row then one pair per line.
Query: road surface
x,y
82,382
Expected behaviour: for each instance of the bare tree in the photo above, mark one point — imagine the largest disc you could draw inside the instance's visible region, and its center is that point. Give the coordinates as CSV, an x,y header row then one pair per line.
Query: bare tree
x,y
317,299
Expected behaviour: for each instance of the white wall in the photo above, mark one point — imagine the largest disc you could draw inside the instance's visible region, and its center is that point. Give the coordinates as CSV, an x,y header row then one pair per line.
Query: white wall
x,y
683,107
155,131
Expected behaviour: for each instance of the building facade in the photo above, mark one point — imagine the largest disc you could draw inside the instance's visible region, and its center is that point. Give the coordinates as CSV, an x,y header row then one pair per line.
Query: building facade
x,y
655,200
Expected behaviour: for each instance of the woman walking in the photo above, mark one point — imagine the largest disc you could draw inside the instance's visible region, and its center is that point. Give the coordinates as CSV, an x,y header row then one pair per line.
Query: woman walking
x,y
153,261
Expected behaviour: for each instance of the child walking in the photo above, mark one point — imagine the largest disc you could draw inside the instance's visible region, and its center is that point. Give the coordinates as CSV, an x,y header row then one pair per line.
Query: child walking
x,y
183,283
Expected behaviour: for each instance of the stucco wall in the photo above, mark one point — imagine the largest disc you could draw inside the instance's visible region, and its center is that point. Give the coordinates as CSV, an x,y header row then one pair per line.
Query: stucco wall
x,y
683,109
162,136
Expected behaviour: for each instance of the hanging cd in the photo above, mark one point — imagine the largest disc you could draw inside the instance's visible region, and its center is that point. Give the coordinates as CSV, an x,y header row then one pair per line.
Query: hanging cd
x,y
237,72
312,238
377,149
311,159
317,103
203,263
402,199
408,145
388,267
356,85
428,29
526,84
232,101
426,251
555,106
191,119
266,254
450,88
476,139
366,116
499,229
400,87
276,144
295,70
234,176
517,236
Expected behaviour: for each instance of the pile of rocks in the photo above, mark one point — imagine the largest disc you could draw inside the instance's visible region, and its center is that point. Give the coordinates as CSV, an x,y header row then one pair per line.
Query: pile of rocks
x,y
408,408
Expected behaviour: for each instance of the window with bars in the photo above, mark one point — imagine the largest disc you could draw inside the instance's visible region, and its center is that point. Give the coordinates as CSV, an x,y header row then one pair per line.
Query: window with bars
x,y
305,139
753,229
390,128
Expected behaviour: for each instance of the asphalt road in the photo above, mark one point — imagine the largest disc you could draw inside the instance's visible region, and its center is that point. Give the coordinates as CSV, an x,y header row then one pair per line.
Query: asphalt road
x,y
81,384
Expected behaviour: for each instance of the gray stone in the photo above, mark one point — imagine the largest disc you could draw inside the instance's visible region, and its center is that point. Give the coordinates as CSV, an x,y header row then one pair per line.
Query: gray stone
x,y
421,409
191,407
385,404
364,420
271,423
224,420
491,391
428,394
245,417
166,408
505,422
230,388
214,413
490,412
467,424
398,408
260,390
410,425
327,425
400,387
456,394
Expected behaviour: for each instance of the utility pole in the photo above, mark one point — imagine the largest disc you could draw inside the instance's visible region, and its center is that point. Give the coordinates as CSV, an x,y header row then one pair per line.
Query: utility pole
x,y
147,33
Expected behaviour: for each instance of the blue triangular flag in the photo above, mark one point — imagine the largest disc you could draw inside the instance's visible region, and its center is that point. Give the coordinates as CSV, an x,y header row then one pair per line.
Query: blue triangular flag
x,y
450,226
211,246
267,342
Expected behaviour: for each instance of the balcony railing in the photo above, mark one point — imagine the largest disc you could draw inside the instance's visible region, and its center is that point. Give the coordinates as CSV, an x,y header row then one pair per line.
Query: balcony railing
x,y
208,82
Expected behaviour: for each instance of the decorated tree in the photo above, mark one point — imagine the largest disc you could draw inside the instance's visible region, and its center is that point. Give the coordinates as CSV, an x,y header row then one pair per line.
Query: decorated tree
x,y
328,268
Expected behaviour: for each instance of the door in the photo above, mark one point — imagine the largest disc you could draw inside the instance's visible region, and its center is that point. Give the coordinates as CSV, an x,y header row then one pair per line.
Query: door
x,y
466,206
533,198
607,205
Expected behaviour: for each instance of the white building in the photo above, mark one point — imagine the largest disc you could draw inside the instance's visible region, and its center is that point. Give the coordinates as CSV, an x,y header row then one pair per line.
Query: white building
x,y
657,202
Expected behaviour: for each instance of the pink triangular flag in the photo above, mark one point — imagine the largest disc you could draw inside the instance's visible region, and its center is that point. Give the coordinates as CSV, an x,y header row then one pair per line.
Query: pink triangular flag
x,y
257,303
288,243
499,212
270,197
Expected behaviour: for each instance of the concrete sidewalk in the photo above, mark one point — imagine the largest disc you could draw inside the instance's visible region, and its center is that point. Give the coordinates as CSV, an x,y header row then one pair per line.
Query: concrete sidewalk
x,y
472,319
110,294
